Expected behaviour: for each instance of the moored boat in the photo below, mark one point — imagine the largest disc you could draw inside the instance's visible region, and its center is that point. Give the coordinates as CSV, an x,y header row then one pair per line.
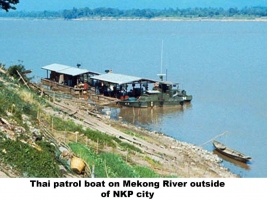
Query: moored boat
x,y
231,152
163,94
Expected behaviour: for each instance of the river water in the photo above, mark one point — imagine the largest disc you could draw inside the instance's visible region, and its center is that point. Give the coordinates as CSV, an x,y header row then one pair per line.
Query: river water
x,y
222,64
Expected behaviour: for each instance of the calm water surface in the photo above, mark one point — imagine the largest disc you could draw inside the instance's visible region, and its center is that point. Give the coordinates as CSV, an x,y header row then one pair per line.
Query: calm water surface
x,y
222,64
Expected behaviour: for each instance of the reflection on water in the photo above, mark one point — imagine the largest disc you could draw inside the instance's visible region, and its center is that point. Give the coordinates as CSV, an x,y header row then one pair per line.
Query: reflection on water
x,y
148,116
231,160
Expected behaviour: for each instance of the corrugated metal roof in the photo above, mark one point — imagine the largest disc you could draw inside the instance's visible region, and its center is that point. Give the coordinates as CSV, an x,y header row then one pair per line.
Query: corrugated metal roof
x,y
120,78
55,67
73,71
64,69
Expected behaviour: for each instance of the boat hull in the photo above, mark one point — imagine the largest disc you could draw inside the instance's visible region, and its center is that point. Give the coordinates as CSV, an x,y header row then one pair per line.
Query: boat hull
x,y
188,98
147,104
231,152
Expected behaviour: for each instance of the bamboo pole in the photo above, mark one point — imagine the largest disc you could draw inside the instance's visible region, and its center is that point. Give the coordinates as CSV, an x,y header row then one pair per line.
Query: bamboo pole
x,y
214,138
25,83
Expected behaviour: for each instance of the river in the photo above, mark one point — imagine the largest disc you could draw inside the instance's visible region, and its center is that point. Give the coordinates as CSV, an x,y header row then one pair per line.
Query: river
x,y
221,63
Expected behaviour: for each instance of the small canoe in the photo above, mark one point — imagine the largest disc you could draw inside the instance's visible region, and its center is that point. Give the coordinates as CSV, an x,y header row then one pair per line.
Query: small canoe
x,y
231,152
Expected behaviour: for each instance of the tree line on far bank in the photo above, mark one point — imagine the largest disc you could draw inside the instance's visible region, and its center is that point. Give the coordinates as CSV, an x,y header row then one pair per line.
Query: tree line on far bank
x,y
76,13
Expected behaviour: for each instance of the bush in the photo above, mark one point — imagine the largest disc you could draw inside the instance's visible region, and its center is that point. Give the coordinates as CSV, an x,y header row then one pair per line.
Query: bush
x,y
14,69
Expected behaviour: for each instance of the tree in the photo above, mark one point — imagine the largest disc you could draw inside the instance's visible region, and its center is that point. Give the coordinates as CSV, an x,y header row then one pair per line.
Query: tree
x,y
19,68
8,4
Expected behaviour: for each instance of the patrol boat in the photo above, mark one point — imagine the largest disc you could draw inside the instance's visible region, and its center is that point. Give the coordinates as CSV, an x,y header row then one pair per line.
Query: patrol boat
x,y
163,94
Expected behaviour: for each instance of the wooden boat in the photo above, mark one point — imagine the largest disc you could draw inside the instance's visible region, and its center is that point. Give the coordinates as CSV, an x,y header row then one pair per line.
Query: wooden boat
x,y
230,152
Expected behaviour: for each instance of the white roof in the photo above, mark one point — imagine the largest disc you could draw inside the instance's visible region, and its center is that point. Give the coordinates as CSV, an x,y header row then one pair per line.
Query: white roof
x,y
120,78
55,67
64,69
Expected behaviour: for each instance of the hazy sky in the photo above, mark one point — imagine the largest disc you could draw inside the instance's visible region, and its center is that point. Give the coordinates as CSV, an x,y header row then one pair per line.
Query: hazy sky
x,y
40,5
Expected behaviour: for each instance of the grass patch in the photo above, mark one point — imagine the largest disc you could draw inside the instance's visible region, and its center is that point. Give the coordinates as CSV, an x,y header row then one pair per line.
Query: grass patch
x,y
29,161
118,166
127,146
145,172
133,134
96,136
152,162
110,165
91,158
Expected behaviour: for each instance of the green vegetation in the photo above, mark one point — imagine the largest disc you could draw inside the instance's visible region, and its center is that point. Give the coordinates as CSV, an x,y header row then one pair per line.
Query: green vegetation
x,y
20,107
15,69
95,136
110,165
144,172
8,4
27,160
214,13
18,102
127,146
13,103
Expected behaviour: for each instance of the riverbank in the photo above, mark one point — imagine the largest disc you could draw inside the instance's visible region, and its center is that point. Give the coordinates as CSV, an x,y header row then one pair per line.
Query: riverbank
x,y
172,157
189,160
156,151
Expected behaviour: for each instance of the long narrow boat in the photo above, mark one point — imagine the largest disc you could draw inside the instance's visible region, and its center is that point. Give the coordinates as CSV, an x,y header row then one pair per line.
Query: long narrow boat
x,y
231,152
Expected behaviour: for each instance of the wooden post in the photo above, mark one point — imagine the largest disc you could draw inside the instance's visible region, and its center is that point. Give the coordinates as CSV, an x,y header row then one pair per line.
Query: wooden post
x,y
106,169
54,98
42,92
25,83
97,147
76,137
127,155
52,125
39,118
65,136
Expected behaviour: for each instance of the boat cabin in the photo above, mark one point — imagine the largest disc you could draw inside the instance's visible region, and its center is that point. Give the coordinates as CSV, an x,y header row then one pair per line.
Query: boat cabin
x,y
121,86
68,76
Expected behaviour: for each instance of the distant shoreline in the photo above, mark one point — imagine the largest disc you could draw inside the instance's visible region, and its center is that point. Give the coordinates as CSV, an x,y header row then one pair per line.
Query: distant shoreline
x,y
227,19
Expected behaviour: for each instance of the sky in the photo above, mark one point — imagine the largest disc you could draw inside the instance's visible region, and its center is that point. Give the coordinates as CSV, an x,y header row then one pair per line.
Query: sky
x,y
55,5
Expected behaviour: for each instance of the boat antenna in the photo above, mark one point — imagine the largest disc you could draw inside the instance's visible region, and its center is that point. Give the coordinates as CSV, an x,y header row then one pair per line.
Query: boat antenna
x,y
161,75
161,55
